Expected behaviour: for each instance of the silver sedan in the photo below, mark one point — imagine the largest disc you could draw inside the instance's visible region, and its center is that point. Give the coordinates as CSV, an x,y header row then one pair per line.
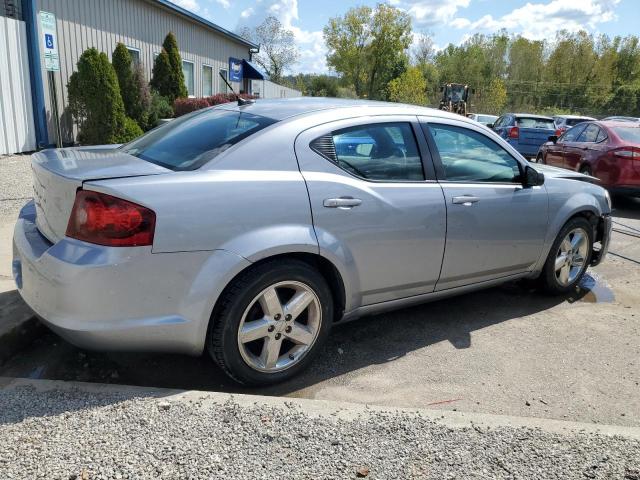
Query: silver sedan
x,y
249,230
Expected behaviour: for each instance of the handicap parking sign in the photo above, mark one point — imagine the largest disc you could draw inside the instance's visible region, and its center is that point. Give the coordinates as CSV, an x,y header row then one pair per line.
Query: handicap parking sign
x,y
48,40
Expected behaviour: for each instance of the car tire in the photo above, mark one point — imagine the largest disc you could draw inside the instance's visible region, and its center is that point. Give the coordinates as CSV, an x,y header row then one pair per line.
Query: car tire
x,y
249,299
539,158
586,170
567,263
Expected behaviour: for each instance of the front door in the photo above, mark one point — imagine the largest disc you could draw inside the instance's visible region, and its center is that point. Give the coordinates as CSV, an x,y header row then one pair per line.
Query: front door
x,y
495,226
376,206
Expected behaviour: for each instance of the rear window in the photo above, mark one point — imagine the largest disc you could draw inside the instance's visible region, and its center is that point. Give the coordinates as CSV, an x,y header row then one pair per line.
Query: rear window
x,y
191,141
628,134
526,122
486,118
572,122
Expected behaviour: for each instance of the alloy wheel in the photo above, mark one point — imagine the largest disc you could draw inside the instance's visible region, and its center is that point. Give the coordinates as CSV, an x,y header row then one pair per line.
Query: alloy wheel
x,y
279,326
571,256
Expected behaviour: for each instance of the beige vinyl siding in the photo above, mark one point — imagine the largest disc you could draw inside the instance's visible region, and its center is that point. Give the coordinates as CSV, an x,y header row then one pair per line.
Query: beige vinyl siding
x,y
139,24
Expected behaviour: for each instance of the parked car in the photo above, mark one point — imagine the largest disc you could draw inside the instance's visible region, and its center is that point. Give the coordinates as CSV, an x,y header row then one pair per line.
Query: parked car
x,y
608,150
246,232
525,132
622,119
565,122
487,120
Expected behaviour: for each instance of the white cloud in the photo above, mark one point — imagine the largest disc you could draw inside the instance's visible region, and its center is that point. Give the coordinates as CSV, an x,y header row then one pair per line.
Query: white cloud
x,y
543,20
310,43
224,3
431,13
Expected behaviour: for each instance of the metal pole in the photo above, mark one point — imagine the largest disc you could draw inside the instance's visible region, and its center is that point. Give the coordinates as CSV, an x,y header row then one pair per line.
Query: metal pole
x,y
54,108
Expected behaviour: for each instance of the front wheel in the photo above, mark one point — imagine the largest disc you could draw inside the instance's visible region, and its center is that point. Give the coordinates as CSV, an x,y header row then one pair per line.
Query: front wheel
x,y
272,320
569,257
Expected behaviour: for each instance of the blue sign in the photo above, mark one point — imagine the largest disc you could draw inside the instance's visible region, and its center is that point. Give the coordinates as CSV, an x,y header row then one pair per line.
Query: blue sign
x,y
235,70
48,40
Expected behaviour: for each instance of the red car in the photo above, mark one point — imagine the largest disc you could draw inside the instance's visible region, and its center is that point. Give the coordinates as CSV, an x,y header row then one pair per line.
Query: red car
x,y
608,150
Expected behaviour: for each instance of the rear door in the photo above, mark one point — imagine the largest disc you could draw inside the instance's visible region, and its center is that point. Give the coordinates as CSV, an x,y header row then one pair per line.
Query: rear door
x,y
586,146
376,204
495,226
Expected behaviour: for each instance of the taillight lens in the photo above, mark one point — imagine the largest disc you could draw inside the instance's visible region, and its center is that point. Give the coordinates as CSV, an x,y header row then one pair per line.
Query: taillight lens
x,y
559,131
106,220
514,132
628,152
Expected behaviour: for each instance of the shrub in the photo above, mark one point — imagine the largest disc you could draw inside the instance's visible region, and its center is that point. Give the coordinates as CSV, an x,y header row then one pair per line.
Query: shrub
x,y
167,77
182,106
130,131
95,100
160,108
122,61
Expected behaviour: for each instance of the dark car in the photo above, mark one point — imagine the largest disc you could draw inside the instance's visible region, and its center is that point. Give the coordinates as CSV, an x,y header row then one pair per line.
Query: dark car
x,y
525,132
608,150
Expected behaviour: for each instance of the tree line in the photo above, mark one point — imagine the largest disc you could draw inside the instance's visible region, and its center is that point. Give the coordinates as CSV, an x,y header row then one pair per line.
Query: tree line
x,y
373,56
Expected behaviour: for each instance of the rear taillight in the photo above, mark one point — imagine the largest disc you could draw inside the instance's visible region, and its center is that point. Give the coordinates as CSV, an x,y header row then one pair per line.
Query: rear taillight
x,y
514,132
628,152
559,131
106,220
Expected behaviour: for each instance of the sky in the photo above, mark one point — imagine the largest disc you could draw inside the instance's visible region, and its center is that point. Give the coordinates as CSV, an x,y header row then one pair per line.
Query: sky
x,y
447,21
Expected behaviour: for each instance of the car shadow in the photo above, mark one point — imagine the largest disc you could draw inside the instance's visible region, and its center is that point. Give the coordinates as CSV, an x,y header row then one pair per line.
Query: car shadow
x,y
368,341
626,207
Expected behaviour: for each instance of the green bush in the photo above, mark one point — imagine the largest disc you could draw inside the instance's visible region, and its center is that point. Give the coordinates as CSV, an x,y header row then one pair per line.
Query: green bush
x,y
95,101
130,131
167,77
159,108
122,62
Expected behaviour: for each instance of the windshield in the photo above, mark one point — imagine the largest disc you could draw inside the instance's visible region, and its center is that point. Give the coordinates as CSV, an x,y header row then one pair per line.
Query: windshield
x,y
572,122
191,141
546,123
628,134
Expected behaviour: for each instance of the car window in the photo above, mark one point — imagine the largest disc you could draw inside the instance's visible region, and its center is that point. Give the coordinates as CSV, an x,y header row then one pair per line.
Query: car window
x,y
383,151
589,134
628,134
602,136
469,156
531,122
572,122
189,142
572,134
485,118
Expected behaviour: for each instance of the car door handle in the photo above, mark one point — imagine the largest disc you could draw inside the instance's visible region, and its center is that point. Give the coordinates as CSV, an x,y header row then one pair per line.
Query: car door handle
x,y
342,202
466,200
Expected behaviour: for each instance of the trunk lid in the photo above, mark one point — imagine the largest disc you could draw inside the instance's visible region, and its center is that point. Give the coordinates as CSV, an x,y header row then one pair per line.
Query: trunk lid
x,y
535,136
57,175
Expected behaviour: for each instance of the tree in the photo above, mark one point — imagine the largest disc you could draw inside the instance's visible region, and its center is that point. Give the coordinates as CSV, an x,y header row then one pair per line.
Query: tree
x,y
409,87
366,46
167,76
424,51
141,98
493,98
96,103
122,62
278,50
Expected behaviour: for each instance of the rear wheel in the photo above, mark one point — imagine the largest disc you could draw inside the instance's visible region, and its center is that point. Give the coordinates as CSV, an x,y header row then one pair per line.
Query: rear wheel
x,y
569,257
271,322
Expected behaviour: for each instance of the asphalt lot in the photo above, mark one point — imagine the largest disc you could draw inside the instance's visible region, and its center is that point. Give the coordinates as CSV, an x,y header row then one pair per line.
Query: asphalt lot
x,y
508,350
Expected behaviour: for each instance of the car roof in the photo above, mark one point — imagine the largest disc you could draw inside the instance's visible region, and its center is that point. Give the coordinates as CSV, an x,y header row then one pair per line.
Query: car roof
x,y
530,115
285,108
619,123
574,117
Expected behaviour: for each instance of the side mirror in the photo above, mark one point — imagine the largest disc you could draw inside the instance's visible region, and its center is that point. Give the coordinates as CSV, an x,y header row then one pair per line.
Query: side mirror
x,y
553,138
532,177
489,125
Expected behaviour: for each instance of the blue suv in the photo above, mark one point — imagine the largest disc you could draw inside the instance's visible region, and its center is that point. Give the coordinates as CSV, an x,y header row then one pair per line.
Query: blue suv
x,y
526,132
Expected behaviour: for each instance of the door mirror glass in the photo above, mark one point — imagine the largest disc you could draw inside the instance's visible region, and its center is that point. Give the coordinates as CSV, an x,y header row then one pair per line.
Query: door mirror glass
x,y
553,138
533,178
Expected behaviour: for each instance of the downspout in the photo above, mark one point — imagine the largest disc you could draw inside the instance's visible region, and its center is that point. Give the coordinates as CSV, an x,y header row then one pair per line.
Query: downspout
x,y
30,16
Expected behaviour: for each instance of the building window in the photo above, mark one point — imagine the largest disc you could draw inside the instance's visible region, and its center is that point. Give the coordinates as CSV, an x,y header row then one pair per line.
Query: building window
x,y
187,70
223,86
207,81
135,55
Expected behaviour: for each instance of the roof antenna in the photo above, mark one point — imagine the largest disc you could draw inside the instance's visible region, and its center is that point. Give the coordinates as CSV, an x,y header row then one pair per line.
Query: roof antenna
x,y
241,101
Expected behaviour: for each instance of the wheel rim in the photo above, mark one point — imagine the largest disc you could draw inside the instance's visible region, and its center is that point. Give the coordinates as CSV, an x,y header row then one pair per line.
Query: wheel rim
x,y
279,326
571,256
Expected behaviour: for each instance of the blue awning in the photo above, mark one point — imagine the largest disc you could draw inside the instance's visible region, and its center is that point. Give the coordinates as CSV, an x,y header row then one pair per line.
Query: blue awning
x,y
251,71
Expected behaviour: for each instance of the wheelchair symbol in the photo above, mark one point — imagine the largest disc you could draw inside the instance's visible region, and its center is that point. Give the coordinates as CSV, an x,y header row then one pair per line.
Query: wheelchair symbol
x,y
48,40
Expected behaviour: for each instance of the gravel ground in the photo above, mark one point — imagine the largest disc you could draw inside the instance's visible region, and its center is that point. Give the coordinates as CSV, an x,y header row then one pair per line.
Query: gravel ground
x,y
83,435
15,184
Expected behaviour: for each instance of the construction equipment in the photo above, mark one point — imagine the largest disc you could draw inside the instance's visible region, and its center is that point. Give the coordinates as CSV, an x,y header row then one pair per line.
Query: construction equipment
x,y
454,98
